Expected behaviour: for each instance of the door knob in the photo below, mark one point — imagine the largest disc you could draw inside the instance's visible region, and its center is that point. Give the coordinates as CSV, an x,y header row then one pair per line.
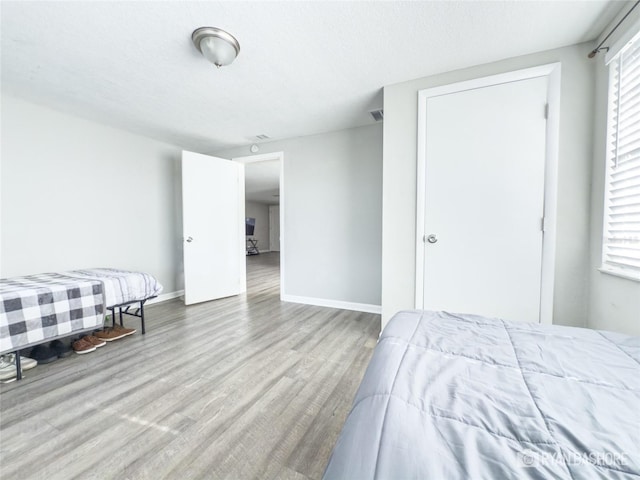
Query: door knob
x,y
432,238
189,239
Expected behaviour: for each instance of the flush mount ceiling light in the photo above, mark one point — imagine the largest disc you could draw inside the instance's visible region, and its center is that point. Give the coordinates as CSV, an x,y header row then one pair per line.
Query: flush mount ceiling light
x,y
219,47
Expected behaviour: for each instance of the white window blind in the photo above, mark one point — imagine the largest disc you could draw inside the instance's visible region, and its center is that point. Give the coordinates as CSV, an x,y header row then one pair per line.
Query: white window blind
x,y
621,246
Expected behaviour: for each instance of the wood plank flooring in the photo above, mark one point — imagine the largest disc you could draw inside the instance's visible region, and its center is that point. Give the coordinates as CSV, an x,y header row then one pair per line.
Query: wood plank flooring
x,y
243,387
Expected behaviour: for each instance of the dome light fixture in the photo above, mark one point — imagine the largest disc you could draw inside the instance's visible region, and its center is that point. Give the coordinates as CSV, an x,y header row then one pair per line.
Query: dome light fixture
x,y
219,47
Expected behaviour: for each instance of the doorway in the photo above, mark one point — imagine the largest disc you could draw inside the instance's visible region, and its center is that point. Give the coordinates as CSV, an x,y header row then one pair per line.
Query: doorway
x,y
487,163
264,212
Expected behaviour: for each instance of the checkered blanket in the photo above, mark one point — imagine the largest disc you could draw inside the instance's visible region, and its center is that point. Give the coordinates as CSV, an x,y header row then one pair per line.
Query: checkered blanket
x,y
40,307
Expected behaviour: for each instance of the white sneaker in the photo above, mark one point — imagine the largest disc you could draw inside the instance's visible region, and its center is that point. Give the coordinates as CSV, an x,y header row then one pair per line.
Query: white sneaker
x,y
8,372
26,363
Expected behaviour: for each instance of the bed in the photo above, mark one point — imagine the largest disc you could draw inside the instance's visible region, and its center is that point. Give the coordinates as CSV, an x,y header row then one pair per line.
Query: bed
x,y
463,396
125,291
39,308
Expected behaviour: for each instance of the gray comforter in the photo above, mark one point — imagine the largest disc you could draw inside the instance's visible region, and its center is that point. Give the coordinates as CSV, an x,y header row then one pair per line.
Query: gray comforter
x,y
460,396
122,286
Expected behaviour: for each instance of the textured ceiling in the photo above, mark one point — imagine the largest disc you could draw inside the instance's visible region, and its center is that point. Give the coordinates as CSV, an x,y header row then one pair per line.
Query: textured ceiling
x,y
304,67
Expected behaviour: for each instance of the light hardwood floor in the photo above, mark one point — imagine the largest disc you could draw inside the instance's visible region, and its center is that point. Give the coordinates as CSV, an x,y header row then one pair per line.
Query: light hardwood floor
x,y
244,387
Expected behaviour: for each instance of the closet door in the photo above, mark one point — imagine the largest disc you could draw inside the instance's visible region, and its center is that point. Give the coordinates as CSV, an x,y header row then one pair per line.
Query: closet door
x,y
484,192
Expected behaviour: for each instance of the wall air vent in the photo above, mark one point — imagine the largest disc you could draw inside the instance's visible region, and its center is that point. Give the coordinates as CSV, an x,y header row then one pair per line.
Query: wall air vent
x,y
377,115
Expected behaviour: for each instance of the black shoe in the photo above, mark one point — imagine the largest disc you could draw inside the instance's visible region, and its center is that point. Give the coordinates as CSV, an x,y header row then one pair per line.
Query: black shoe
x,y
43,354
60,348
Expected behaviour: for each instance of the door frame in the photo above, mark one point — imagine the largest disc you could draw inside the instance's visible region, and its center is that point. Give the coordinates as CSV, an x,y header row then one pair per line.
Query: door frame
x,y
264,157
552,72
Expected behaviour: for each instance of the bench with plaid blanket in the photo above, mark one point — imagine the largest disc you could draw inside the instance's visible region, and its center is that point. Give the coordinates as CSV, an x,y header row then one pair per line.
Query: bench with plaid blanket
x,y
38,308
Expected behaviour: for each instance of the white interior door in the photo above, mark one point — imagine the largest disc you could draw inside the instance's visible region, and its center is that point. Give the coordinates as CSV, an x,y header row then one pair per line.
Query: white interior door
x,y
213,227
274,228
484,200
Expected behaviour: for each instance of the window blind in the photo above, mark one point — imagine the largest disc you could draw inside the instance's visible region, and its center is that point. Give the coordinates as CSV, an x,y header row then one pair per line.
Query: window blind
x,y
621,246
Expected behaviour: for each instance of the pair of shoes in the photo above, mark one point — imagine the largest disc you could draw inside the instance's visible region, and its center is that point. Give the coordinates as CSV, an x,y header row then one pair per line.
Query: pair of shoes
x,y
43,354
116,332
61,349
87,344
50,353
8,370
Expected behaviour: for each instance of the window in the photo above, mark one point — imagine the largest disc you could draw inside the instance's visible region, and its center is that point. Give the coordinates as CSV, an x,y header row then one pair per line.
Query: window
x,y
621,239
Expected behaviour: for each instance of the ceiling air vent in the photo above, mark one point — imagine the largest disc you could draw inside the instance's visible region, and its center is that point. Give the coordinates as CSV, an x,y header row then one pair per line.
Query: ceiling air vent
x,y
377,115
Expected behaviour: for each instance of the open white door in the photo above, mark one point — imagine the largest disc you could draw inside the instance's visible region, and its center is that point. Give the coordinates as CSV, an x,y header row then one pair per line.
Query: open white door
x,y
213,227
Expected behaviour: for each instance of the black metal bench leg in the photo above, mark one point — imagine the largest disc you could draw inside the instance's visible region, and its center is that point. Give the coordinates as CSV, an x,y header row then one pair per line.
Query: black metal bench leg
x,y
142,316
113,316
18,366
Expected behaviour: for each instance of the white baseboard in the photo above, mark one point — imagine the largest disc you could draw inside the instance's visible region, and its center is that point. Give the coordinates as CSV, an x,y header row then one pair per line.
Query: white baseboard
x,y
260,250
321,302
166,296
318,302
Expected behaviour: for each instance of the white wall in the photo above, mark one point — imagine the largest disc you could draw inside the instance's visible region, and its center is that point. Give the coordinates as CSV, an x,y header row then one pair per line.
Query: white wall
x,y
76,194
574,175
274,228
260,212
614,302
332,215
